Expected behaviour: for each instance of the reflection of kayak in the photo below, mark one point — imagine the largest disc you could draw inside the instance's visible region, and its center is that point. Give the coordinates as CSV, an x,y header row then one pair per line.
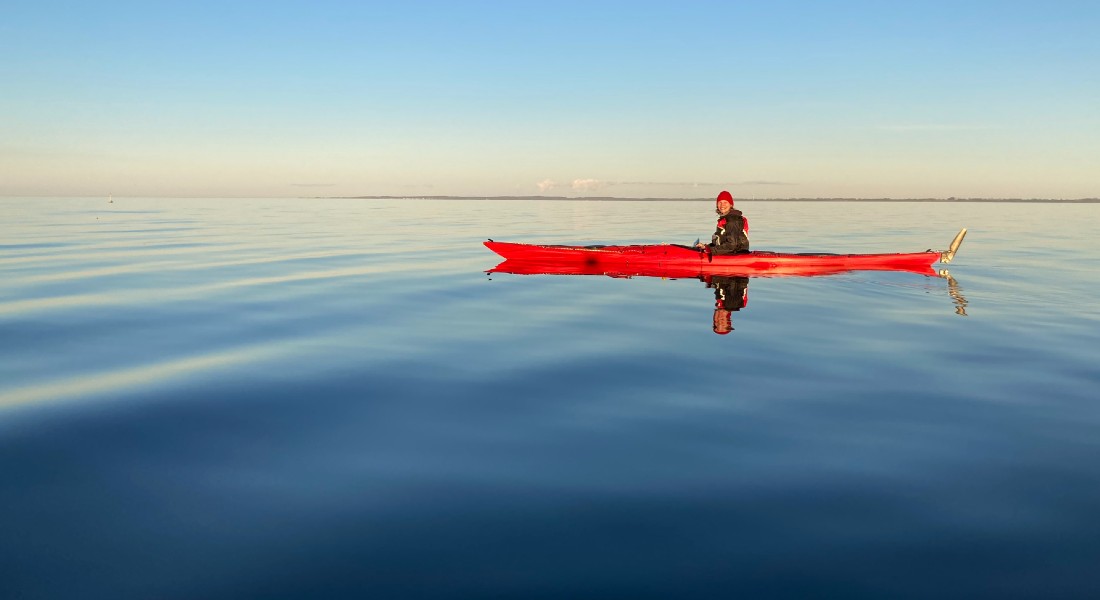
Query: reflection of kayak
x,y
673,260
528,267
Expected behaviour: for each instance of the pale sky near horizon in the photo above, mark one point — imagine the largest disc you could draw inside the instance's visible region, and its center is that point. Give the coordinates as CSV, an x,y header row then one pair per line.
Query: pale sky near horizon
x,y
654,99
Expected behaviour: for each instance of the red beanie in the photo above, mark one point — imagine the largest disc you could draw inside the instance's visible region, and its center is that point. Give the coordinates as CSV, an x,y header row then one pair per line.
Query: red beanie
x,y
728,197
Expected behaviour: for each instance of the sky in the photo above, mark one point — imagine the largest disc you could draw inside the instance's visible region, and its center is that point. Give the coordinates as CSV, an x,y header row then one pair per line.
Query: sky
x,y
680,99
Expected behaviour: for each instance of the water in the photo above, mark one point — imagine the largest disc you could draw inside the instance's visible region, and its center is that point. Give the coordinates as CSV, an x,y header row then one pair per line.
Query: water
x,y
330,398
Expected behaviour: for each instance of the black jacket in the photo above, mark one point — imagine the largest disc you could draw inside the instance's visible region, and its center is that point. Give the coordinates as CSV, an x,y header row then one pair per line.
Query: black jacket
x,y
730,237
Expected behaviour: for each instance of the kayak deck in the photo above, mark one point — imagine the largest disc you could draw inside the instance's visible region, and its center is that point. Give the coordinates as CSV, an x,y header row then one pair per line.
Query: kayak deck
x,y
674,260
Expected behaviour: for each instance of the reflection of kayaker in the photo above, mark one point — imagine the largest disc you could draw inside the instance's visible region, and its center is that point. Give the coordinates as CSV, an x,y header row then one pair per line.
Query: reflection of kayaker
x,y
732,234
730,285
730,294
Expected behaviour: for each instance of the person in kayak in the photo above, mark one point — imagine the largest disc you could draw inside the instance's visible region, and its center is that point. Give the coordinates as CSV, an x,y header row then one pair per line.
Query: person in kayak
x,y
731,294
732,234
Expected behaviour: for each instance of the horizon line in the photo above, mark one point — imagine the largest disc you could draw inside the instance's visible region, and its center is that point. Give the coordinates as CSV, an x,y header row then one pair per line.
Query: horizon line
x,y
709,199
1085,200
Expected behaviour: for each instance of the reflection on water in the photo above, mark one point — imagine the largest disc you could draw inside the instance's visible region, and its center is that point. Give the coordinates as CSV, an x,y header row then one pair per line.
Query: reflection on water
x,y
730,291
731,294
955,291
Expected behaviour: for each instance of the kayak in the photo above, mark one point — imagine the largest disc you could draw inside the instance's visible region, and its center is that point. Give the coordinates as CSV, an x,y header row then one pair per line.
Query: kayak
x,y
674,260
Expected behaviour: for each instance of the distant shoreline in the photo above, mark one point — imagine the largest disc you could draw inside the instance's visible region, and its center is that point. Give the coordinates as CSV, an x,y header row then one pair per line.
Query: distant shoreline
x,y
598,199
741,199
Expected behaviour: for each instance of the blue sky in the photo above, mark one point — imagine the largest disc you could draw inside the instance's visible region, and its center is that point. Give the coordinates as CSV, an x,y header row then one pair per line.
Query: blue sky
x,y
669,99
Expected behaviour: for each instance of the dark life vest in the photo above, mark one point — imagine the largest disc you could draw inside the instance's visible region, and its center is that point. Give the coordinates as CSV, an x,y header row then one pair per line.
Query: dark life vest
x,y
730,236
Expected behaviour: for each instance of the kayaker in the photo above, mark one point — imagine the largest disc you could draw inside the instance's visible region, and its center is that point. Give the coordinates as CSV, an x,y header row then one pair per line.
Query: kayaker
x,y
732,234
730,294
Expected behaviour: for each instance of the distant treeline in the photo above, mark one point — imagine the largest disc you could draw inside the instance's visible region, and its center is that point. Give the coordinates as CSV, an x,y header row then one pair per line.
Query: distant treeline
x,y
742,199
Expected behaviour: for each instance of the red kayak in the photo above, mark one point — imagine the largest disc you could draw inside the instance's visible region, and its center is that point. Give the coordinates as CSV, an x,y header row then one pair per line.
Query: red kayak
x,y
676,261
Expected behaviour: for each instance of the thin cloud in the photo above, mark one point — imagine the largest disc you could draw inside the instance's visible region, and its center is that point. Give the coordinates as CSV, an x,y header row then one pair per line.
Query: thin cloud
x,y
918,127
587,185
591,184
669,183
709,184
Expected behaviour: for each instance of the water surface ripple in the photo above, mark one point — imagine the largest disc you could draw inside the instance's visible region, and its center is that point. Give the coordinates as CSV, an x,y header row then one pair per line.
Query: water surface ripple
x,y
330,398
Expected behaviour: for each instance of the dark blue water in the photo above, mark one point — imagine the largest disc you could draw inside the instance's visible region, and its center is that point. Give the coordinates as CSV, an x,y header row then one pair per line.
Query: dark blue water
x,y
330,398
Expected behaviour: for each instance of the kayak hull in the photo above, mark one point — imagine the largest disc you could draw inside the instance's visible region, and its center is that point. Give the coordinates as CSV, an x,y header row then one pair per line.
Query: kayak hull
x,y
673,260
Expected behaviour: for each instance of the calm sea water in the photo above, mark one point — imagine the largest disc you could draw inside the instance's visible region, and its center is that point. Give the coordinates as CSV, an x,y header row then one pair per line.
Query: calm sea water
x,y
330,398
